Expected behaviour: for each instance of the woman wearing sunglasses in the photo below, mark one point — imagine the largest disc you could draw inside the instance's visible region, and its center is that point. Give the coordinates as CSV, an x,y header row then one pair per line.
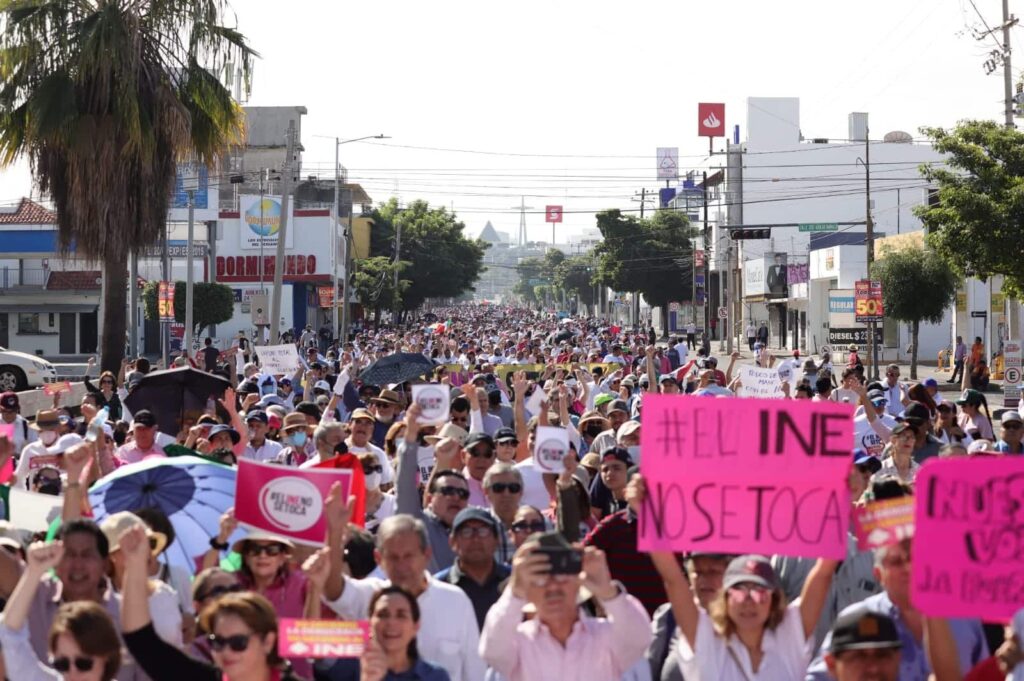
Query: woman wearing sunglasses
x,y
106,394
208,586
391,654
749,631
83,641
242,632
378,504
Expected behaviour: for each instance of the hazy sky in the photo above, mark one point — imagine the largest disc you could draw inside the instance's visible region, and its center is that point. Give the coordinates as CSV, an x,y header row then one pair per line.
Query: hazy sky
x,y
570,99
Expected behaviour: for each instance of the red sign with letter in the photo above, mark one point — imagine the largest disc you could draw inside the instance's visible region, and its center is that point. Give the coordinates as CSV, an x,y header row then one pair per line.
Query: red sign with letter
x,y
868,301
711,119
553,214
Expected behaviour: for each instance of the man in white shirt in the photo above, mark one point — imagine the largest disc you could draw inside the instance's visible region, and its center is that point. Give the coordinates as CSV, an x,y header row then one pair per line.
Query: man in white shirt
x,y
361,425
751,334
448,634
680,347
868,436
10,407
893,390
615,356
260,448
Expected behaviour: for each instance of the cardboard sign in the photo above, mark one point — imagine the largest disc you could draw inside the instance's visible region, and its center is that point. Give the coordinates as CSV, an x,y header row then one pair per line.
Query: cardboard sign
x,y
321,638
278,359
534,401
434,402
52,389
760,382
968,557
551,446
286,501
745,476
33,511
882,523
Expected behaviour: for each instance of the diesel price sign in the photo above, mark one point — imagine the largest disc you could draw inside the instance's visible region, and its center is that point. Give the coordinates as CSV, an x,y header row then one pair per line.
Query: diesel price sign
x,y
868,301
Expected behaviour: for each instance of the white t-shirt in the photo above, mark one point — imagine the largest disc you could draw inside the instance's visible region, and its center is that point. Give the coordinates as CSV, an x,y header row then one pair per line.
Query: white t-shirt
x,y
866,437
534,492
265,453
787,652
683,351
33,457
22,433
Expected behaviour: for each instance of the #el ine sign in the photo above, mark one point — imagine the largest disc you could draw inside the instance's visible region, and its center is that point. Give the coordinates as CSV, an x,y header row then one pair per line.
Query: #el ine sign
x,y
711,119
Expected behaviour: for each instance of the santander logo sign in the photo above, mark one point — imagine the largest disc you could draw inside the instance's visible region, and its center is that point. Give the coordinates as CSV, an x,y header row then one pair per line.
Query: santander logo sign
x,y
711,119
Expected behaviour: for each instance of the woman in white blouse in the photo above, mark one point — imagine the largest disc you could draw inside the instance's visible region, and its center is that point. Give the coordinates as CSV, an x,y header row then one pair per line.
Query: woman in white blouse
x,y
749,632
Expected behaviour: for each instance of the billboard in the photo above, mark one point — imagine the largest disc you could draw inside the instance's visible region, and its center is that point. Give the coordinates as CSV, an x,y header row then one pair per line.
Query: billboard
x,y
668,163
711,119
260,224
868,301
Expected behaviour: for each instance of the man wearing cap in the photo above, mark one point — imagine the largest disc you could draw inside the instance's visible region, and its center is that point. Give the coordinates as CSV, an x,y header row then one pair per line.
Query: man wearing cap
x,y
892,570
918,417
865,645
477,457
10,408
145,443
617,413
474,539
1010,433
872,425
259,448
361,425
560,642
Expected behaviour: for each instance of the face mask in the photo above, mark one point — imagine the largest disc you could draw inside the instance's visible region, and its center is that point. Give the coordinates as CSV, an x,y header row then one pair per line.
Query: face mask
x,y
372,480
298,438
251,433
634,452
47,437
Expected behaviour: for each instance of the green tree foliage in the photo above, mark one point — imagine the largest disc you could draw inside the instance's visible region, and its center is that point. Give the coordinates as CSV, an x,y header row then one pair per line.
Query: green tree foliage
x,y
104,98
374,284
442,262
214,304
575,276
977,225
917,286
651,255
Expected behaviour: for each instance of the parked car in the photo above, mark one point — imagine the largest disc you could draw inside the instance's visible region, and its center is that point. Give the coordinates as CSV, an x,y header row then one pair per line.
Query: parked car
x,y
21,371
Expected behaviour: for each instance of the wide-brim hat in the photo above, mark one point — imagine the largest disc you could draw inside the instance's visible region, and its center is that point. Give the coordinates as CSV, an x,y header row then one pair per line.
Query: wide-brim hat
x,y
294,421
260,535
448,430
115,525
46,419
388,397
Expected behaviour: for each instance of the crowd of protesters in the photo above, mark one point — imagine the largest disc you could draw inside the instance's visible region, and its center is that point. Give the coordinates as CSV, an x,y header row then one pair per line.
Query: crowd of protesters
x,y
469,562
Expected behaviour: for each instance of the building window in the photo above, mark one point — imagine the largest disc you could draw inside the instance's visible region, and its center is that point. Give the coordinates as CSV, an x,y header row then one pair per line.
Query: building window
x,y
28,322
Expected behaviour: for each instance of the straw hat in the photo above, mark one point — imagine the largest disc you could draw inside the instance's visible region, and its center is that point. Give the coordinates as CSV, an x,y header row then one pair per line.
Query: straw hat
x,y
115,525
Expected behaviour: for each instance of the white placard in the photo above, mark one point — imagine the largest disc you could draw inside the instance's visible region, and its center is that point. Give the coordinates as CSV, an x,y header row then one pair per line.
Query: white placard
x,y
760,382
551,446
33,511
434,402
278,359
533,403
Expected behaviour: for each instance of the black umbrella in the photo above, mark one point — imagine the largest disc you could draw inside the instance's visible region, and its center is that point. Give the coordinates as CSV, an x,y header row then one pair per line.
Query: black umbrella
x,y
397,368
169,394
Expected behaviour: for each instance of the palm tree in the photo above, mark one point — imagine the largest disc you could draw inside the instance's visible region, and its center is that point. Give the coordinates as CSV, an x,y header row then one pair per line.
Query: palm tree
x,y
105,97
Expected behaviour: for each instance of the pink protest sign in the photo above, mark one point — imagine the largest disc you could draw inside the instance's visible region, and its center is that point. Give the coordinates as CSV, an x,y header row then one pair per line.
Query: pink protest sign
x,y
739,476
321,638
286,501
968,546
881,523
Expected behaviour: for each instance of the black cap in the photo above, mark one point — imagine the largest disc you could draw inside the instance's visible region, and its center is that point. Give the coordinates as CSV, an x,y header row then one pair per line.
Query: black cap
x,y
858,628
915,413
224,428
257,415
474,513
308,408
476,438
505,434
144,417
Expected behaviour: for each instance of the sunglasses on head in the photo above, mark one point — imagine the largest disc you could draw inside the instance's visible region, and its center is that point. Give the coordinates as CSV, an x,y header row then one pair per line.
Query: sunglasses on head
x,y
449,491
63,664
529,526
269,549
511,487
218,591
237,643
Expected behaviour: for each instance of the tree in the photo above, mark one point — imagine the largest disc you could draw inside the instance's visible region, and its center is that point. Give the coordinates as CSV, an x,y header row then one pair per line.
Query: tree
x,y
916,286
374,284
653,256
531,272
977,222
104,98
442,262
214,304
575,276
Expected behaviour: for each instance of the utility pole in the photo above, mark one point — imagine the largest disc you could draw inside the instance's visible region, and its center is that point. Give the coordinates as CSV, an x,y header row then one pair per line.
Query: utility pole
x,y
346,258
869,238
707,261
1008,22
335,223
522,220
398,258
133,301
190,294
165,327
286,188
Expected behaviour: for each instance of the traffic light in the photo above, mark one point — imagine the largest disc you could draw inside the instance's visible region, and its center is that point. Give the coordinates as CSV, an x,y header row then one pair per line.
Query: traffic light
x,y
751,233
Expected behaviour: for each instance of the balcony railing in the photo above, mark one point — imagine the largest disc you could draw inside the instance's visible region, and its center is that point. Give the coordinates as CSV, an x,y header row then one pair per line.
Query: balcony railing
x,y
11,277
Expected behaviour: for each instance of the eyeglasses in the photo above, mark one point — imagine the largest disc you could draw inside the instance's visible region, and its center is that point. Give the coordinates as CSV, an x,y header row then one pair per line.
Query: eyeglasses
x,y
63,664
106,381
218,591
449,491
741,592
237,643
484,454
531,526
510,487
1011,426
480,532
367,470
269,549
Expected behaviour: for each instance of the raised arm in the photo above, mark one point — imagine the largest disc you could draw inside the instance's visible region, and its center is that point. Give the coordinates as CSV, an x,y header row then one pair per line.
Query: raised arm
x,y
732,362
652,375
407,498
519,385
41,559
814,593
338,513
228,524
76,461
940,648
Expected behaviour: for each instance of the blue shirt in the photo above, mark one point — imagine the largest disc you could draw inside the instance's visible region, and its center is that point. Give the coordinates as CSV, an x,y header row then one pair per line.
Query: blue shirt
x,y
970,644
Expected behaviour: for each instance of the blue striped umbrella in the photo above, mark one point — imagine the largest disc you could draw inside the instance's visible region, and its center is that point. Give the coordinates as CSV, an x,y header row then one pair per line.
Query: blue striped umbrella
x,y
192,492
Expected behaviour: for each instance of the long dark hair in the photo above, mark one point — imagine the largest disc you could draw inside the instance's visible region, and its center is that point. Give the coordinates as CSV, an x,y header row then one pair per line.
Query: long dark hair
x,y
414,608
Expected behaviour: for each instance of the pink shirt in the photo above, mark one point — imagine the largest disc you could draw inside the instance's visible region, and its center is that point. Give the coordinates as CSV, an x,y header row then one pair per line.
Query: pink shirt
x,y
598,649
130,453
287,594
476,491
